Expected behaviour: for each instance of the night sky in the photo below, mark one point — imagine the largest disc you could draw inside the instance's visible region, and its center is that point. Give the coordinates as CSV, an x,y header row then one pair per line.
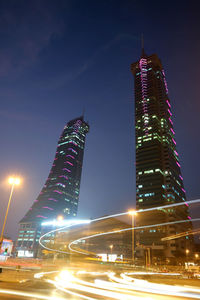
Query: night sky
x,y
58,58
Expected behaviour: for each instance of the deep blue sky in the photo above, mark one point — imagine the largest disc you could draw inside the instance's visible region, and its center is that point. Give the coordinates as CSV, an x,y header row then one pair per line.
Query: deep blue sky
x,y
59,57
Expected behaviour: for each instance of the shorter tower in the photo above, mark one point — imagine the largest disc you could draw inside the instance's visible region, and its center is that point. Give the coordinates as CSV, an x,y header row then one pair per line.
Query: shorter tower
x,y
60,194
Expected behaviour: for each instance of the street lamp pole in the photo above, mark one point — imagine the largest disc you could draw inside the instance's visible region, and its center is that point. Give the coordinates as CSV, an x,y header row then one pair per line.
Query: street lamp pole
x,y
187,252
12,181
111,247
132,213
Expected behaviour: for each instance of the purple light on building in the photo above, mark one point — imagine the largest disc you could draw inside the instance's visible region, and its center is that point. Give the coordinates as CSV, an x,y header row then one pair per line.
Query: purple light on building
x,y
56,191
47,207
52,199
70,156
39,216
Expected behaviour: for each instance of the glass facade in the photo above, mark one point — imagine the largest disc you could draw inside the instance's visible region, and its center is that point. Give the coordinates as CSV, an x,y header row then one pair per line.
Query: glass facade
x,y
158,170
60,194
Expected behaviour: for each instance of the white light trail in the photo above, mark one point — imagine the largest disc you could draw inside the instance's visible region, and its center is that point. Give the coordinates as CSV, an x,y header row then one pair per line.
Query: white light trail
x,y
170,205
122,288
67,291
74,223
178,235
162,289
117,288
40,275
29,295
61,223
92,288
79,222
122,230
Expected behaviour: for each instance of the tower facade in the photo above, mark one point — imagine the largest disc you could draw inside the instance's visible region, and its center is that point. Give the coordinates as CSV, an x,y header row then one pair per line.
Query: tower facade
x,y
60,194
158,170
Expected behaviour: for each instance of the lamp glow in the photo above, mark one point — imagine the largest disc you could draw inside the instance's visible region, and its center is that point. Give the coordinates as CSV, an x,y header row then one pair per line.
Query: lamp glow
x,y
132,212
60,218
13,180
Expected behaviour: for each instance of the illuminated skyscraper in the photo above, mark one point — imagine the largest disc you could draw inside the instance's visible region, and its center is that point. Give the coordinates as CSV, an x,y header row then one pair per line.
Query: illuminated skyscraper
x,y
60,194
158,171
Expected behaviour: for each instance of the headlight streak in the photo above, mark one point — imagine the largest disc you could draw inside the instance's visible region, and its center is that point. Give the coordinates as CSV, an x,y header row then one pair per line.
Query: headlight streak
x,y
112,216
178,235
162,289
58,229
62,223
106,285
152,273
119,288
125,229
67,291
122,288
29,295
81,272
40,275
91,288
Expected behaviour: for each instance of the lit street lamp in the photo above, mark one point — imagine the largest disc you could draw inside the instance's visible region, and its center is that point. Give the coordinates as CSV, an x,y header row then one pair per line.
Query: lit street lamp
x,y
132,213
187,251
60,218
111,247
13,181
196,255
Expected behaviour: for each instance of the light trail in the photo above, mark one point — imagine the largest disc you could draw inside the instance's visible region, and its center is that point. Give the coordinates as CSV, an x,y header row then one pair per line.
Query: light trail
x,y
40,275
125,229
59,287
92,288
122,288
152,273
29,295
72,223
170,205
155,288
117,231
178,235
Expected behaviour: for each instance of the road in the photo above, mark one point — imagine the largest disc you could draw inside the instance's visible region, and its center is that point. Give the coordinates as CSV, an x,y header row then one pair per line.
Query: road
x,y
80,284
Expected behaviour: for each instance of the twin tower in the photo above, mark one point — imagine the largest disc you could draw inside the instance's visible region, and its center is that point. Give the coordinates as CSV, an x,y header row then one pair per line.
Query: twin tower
x,y
60,194
158,175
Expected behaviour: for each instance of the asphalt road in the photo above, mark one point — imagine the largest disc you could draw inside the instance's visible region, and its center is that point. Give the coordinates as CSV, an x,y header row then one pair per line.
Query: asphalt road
x,y
86,286
43,290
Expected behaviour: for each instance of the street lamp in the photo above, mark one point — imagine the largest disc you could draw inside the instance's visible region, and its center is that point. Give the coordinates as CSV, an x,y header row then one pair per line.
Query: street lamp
x,y
13,181
111,247
132,213
187,252
60,218
196,255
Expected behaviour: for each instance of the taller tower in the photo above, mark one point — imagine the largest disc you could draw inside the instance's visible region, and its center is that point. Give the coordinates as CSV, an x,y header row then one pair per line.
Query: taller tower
x,y
158,171
60,194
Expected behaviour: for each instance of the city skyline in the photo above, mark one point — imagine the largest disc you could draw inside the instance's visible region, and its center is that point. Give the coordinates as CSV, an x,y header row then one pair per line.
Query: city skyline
x,y
55,80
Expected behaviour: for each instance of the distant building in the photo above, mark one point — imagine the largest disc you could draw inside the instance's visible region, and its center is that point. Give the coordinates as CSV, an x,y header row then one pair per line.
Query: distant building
x,y
60,194
158,170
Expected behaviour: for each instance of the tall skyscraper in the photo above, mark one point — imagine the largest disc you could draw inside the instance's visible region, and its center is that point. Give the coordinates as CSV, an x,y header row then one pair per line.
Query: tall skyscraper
x,y
158,170
60,194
